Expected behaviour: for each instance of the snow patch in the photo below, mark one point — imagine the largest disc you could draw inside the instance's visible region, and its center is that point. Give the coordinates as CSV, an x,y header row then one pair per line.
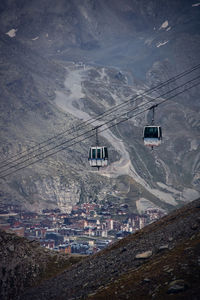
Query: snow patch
x,y
164,25
36,38
12,33
161,44
196,4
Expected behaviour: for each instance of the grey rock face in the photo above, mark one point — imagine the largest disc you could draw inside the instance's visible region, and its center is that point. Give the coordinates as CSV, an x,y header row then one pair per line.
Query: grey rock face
x,y
149,43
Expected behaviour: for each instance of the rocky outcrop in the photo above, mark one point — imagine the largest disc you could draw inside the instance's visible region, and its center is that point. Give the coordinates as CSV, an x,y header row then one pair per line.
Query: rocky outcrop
x,y
24,264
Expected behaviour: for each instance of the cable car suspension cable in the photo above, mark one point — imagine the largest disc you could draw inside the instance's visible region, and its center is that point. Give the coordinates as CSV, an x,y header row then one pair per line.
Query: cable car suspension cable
x,y
72,139
91,120
139,106
85,138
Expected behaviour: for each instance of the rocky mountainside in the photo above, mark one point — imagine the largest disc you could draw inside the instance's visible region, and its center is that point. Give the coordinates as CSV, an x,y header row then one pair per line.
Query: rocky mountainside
x,y
64,63
24,264
161,261
127,35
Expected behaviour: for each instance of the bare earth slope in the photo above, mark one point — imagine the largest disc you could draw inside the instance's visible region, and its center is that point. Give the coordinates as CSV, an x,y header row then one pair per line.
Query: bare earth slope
x,y
159,261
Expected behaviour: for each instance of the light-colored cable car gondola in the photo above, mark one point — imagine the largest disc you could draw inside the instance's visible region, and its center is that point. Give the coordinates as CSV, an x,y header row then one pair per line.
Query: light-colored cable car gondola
x,y
152,134
98,155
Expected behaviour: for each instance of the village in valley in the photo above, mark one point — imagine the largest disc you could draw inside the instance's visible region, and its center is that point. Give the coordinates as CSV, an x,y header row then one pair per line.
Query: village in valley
x,y
87,229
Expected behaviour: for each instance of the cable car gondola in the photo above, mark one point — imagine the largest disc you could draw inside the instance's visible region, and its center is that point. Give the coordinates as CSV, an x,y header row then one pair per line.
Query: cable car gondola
x,y
152,134
98,155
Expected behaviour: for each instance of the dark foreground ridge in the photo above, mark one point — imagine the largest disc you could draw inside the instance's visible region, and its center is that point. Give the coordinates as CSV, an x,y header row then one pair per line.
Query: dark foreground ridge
x,y
161,261
24,264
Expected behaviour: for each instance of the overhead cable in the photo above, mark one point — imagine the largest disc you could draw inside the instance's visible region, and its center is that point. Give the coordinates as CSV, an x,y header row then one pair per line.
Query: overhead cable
x,y
105,123
91,135
90,121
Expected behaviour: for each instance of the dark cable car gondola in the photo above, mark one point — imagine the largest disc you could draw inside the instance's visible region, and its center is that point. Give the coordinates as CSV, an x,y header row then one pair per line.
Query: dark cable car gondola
x,y
98,155
152,134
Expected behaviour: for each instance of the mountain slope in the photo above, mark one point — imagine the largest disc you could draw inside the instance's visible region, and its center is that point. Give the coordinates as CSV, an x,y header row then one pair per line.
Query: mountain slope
x,y
25,263
60,66
178,279
160,260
